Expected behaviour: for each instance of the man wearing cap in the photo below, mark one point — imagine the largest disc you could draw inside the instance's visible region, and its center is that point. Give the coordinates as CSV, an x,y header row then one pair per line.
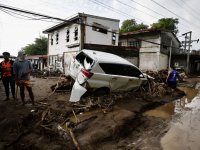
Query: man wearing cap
x,y
22,69
7,75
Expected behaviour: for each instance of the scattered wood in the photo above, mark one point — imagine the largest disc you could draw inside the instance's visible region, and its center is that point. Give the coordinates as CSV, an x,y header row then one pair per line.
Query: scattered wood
x,y
71,133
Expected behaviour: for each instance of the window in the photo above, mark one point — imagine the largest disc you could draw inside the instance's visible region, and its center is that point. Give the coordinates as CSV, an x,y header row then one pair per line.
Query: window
x,y
113,38
51,39
120,69
123,43
134,44
99,28
75,33
67,35
57,37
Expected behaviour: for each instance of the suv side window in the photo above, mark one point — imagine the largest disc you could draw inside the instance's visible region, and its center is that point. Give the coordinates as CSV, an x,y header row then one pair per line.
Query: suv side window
x,y
80,57
120,69
133,72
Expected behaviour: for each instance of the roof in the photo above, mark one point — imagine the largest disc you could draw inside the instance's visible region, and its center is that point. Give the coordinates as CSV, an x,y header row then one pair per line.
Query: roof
x,y
106,57
145,31
73,19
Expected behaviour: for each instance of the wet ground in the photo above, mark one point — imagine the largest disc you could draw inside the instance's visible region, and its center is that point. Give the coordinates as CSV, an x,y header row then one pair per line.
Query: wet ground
x,y
184,133
134,122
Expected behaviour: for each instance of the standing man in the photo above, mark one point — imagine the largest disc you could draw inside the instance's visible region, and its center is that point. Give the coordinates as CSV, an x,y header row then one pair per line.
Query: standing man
x,y
7,76
22,69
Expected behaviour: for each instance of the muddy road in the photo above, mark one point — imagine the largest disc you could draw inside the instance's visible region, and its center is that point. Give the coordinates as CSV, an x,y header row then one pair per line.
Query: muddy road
x,y
133,121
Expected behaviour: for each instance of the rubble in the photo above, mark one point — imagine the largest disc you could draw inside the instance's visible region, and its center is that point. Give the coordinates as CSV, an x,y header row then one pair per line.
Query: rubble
x,y
91,121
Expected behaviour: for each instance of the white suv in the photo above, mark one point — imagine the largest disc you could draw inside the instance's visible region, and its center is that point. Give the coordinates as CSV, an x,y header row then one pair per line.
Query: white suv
x,y
102,71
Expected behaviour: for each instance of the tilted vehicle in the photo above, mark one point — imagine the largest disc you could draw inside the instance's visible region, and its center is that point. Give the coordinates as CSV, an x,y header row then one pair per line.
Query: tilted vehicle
x,y
101,71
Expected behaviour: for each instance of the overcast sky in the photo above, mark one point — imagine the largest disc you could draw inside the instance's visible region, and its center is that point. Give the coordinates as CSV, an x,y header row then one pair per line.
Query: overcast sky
x,y
17,31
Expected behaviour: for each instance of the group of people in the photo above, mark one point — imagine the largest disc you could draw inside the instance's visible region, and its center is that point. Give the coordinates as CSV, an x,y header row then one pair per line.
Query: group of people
x,y
16,73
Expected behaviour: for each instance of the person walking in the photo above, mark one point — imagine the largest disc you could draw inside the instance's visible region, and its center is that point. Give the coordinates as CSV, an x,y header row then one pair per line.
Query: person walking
x,y
22,69
172,77
7,75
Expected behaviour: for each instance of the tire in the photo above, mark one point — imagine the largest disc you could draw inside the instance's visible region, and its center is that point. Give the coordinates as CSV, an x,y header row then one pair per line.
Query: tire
x,y
102,91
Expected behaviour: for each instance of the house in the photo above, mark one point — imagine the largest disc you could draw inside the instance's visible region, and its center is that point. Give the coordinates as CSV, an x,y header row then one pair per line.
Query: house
x,y
154,47
38,61
72,35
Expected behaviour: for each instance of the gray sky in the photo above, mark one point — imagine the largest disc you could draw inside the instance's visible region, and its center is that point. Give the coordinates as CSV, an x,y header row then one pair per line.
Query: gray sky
x,y
17,31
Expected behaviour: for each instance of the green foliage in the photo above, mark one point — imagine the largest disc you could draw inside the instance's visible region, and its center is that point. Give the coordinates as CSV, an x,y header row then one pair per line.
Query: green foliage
x,y
167,24
39,47
131,25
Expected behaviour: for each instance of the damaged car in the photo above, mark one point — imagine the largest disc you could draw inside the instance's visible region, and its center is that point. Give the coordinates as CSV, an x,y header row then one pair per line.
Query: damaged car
x,y
102,72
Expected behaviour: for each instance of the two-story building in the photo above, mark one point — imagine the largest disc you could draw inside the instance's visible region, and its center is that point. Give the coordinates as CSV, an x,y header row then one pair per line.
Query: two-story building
x,y
154,47
71,36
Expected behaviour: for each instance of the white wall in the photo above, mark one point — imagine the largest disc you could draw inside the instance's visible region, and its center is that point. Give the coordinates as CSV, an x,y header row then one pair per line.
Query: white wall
x,y
61,47
133,60
149,61
90,37
94,37
163,61
150,47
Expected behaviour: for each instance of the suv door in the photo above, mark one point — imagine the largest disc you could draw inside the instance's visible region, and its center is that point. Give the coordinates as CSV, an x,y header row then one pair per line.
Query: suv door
x,y
123,77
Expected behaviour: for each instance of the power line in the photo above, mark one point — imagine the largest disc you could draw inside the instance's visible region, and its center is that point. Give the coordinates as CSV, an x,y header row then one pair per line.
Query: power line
x,y
68,21
172,12
136,9
148,8
45,16
186,8
24,16
186,28
29,12
196,12
114,9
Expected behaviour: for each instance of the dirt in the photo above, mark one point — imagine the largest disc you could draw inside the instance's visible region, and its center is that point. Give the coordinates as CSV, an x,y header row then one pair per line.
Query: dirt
x,y
117,122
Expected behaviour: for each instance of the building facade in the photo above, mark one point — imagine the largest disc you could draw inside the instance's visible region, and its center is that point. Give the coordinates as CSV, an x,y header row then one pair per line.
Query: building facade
x,y
70,36
154,47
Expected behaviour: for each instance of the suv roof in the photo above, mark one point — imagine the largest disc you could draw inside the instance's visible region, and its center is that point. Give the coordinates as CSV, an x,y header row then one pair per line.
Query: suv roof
x,y
105,57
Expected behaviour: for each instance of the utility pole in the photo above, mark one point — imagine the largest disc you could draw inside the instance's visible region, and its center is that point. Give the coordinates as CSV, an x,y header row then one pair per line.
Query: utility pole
x,y
188,42
170,54
188,51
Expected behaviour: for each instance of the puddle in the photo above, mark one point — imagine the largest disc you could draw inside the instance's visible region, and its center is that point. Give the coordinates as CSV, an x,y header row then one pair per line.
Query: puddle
x,y
169,109
184,132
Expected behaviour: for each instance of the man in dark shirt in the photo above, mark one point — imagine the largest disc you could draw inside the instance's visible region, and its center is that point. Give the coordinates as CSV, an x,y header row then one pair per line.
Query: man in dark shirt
x,y
7,76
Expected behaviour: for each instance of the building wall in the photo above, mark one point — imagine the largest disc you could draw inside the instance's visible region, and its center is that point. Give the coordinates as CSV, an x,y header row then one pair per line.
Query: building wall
x,y
163,61
150,47
133,60
94,37
62,45
149,61
57,50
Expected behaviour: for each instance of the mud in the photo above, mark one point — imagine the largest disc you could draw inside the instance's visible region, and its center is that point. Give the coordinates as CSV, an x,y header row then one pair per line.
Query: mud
x,y
125,125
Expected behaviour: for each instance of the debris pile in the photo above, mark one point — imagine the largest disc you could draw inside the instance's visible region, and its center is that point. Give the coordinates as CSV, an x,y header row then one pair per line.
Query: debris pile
x,y
64,84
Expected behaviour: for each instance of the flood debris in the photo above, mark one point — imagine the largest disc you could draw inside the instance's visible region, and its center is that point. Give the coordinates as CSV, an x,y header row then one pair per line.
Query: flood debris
x,y
63,84
90,121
